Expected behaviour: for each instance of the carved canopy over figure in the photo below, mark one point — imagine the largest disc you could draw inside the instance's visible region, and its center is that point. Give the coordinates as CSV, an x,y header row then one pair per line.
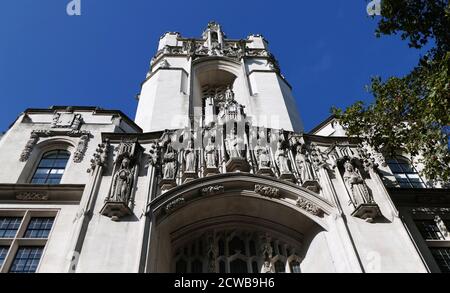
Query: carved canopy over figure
x,y
356,185
304,165
190,157
122,182
281,157
169,160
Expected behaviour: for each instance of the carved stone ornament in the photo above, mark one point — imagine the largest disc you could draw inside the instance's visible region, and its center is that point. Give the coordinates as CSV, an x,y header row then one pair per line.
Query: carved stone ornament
x,y
37,134
32,196
100,157
267,191
360,197
81,149
175,204
67,120
212,190
120,199
309,207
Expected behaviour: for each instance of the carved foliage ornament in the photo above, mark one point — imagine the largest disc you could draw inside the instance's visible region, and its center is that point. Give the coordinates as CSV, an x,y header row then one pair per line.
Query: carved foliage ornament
x,y
212,190
40,133
32,196
309,207
267,191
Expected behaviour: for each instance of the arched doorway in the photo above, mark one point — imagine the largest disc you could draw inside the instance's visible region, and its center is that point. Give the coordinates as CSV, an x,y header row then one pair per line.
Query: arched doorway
x,y
236,248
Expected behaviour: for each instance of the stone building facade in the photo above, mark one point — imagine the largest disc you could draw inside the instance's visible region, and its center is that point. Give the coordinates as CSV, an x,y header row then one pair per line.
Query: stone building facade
x,y
214,175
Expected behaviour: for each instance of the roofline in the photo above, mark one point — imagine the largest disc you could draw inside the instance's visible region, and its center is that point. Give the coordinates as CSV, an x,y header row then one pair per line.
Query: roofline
x,y
322,124
96,110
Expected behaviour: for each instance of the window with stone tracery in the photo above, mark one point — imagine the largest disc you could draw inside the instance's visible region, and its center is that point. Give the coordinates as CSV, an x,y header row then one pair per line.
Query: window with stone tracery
x,y
236,251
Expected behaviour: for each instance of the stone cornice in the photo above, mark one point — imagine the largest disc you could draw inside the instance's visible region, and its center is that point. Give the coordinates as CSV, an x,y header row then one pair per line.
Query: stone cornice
x,y
32,193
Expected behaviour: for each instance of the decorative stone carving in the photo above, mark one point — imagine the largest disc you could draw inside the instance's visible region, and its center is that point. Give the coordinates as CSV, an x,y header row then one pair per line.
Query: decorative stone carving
x,y
31,143
283,162
365,206
120,199
32,196
304,165
266,247
81,149
67,120
153,154
263,160
190,162
100,157
235,148
267,191
175,204
212,190
169,166
37,134
169,161
309,207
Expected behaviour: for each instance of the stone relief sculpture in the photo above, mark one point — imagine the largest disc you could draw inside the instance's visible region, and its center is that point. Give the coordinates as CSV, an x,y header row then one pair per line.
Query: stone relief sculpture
x,y
190,158
169,161
120,201
304,165
190,162
81,149
122,182
282,159
357,186
262,155
234,144
210,154
361,199
169,166
31,143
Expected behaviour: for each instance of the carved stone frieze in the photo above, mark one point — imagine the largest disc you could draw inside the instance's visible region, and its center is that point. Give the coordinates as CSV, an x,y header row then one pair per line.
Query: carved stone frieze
x,y
175,204
212,190
32,196
267,191
309,207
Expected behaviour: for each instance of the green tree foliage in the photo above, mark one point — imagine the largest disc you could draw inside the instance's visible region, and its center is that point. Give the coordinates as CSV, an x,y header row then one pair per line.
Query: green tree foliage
x,y
411,113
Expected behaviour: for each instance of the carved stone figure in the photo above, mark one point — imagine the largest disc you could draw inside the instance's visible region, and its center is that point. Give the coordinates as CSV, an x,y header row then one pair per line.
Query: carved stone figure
x,y
210,154
281,157
169,160
234,145
122,182
262,155
190,158
304,165
356,185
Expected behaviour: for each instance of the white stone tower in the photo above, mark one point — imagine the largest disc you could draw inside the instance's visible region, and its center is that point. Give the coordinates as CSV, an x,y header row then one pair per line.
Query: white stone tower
x,y
186,75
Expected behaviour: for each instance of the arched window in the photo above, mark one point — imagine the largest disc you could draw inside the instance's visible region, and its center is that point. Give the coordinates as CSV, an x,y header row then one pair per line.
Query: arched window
x,y
405,174
51,167
235,251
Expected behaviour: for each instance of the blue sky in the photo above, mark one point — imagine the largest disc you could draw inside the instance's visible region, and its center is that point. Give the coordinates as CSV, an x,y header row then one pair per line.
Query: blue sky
x,y
327,49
